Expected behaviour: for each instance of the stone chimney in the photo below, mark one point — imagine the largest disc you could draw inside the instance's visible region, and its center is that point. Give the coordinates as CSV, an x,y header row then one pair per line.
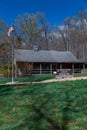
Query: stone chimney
x,y
36,48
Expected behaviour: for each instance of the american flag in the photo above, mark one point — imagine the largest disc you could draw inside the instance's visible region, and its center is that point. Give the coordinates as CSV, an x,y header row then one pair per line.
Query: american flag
x,y
10,30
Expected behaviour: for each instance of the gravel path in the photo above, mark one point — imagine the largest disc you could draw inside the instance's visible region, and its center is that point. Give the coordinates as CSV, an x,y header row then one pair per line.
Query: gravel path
x,y
47,81
65,79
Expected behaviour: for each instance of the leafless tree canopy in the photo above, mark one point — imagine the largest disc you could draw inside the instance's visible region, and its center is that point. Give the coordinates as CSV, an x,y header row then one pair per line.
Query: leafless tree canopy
x,y
33,30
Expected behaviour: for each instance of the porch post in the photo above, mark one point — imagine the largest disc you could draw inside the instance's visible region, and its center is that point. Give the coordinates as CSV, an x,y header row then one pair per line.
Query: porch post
x,y
83,66
40,68
50,68
73,68
15,68
60,67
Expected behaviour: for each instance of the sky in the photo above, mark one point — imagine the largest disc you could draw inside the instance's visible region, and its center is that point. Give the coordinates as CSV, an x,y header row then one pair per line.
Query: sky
x,y
55,10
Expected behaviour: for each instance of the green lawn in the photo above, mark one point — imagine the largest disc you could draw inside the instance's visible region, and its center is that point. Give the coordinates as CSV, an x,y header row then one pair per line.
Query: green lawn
x,y
36,78
80,74
33,78
49,106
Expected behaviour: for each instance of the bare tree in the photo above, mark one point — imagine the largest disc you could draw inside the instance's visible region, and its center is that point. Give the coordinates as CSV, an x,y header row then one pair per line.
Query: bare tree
x,y
28,29
45,29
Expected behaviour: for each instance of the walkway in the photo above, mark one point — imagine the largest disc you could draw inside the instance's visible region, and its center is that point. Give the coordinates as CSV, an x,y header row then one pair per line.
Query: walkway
x,y
65,79
46,81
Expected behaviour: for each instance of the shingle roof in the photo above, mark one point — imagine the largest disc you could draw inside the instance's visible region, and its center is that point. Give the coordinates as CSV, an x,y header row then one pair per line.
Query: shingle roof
x,y
23,55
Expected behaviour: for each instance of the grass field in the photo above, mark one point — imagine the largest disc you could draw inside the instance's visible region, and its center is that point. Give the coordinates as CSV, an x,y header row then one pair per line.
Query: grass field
x,y
80,74
49,106
34,78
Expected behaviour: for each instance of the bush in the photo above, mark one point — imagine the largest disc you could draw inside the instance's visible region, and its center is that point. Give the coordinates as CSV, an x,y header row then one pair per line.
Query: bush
x,y
4,70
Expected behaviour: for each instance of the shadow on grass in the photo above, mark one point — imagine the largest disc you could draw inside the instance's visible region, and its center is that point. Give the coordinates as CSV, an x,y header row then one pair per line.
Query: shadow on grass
x,y
54,125
41,114
38,109
66,110
6,90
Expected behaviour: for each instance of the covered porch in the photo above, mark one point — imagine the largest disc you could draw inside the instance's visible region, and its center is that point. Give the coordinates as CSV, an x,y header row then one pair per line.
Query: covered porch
x,y
26,68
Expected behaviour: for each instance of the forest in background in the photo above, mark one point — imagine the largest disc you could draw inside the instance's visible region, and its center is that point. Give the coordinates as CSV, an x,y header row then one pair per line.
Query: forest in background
x,y
32,30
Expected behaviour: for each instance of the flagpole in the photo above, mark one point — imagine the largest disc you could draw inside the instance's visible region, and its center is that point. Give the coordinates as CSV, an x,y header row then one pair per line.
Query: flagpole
x,y
11,29
13,61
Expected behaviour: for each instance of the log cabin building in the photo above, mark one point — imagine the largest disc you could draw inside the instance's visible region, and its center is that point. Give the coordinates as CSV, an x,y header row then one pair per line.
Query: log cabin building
x,y
45,61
